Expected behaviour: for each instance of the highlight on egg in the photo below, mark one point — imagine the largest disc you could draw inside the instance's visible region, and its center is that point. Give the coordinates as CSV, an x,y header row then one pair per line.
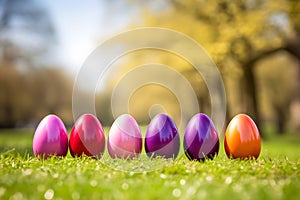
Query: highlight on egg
x,y
124,138
50,137
87,137
201,138
162,138
242,138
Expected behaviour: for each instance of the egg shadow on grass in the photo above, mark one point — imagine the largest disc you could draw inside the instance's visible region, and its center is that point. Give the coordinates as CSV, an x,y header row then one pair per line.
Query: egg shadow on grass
x,y
203,159
83,155
243,158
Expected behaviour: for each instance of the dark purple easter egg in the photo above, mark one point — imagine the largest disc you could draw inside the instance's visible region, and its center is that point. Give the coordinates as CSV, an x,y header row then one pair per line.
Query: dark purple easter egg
x,y
162,138
201,138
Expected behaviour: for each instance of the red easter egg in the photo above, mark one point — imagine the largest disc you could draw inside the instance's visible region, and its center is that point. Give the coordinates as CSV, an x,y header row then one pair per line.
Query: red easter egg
x,y
87,137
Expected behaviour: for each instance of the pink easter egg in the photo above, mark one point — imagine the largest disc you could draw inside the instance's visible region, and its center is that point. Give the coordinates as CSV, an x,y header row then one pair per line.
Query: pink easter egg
x,y
125,138
50,138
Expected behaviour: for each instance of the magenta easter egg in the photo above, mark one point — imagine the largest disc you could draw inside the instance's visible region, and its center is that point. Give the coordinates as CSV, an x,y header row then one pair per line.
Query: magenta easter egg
x,y
201,138
87,137
50,138
162,138
125,138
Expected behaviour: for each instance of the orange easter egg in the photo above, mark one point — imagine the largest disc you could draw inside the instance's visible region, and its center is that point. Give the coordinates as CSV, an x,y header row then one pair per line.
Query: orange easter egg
x,y
242,139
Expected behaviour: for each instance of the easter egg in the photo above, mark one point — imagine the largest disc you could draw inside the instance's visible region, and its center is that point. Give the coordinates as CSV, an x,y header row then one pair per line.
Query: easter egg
x,y
50,138
242,139
124,138
201,138
87,137
162,138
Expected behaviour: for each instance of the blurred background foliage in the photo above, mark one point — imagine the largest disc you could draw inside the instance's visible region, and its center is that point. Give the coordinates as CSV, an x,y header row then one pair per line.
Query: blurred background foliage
x,y
255,44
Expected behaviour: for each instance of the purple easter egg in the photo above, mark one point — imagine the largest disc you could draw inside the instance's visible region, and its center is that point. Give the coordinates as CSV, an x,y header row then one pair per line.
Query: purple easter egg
x,y
50,138
124,138
201,138
162,138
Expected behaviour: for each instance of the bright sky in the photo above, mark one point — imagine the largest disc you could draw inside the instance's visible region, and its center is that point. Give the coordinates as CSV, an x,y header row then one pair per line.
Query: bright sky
x,y
80,26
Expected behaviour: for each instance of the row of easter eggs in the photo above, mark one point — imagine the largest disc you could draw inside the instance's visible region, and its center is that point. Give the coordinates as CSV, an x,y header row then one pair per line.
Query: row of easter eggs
x,y
201,140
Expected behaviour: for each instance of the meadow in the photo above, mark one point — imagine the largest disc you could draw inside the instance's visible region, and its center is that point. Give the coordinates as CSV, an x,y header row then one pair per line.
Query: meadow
x,y
275,175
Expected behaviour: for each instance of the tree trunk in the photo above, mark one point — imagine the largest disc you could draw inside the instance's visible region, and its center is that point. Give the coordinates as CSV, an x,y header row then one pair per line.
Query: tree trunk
x,y
8,122
281,119
295,104
251,95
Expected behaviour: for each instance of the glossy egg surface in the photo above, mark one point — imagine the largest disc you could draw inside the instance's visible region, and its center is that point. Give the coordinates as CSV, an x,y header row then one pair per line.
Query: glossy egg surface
x,y
242,139
87,137
125,138
162,138
201,138
50,137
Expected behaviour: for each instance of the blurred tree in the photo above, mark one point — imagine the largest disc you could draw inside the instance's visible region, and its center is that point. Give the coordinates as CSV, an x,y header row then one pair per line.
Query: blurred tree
x,y
248,33
26,97
52,93
9,85
238,34
293,47
26,31
276,90
29,91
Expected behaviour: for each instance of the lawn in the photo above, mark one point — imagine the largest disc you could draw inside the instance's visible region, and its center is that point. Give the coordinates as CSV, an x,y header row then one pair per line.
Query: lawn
x,y
275,175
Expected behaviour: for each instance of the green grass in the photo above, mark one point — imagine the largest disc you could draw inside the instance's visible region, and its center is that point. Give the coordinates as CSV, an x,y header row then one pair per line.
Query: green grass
x,y
275,175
